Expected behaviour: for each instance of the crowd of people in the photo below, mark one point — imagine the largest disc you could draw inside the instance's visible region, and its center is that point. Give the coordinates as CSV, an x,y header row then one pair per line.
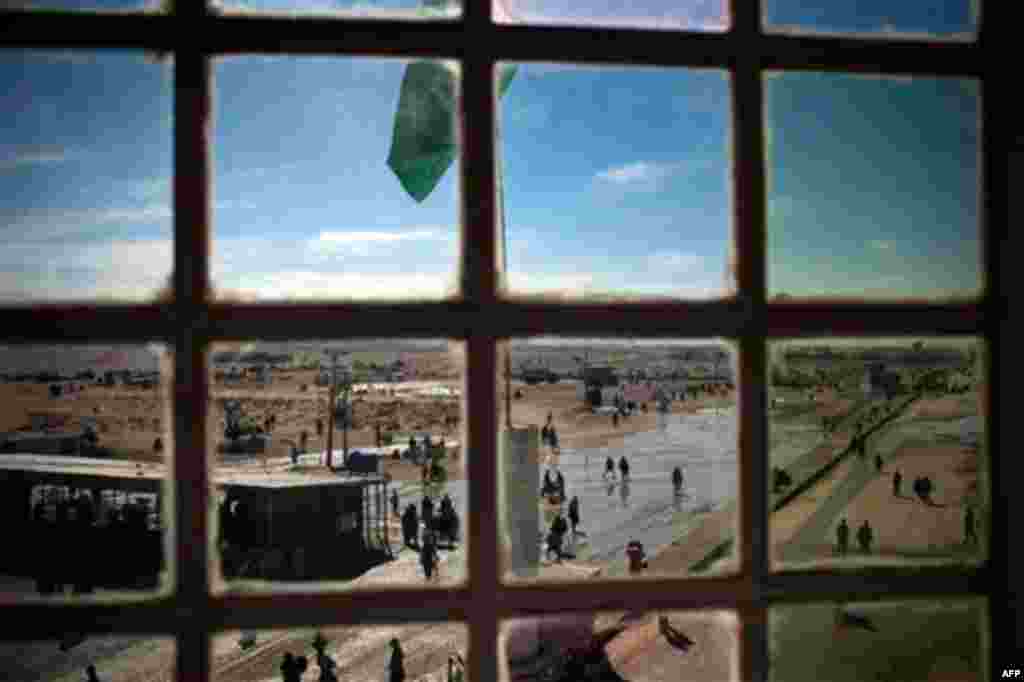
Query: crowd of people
x,y
80,525
294,666
443,525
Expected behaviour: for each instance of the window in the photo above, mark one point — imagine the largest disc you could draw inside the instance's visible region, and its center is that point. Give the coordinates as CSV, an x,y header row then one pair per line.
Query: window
x,y
194,319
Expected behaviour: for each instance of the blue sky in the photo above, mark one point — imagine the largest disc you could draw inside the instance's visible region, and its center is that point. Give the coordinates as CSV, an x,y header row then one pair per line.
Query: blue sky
x,y
872,186
617,180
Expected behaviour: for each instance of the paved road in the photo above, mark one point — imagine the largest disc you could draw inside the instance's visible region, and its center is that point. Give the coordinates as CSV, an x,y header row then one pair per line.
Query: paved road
x,y
644,508
806,543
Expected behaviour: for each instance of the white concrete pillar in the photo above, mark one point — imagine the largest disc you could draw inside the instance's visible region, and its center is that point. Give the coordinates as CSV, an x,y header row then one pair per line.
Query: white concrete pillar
x,y
521,504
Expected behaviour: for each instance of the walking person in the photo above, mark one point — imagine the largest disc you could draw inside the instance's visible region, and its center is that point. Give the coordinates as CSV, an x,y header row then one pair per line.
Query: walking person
x,y
428,555
323,661
609,467
624,467
90,674
677,480
427,512
842,537
878,462
897,481
970,532
864,537
574,513
555,537
410,527
456,668
292,667
394,501
396,666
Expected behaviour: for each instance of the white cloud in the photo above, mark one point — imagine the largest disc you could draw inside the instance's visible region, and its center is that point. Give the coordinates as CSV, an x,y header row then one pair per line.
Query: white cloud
x,y
637,172
673,260
310,284
151,213
578,285
33,157
357,237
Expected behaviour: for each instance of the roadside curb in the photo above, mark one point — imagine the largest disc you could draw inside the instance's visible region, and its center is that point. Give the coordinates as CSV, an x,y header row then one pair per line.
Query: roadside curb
x,y
722,549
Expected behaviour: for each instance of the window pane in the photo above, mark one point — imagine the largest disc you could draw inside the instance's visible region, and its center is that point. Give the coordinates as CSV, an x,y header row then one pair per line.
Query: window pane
x,y
380,9
918,493
356,652
89,5
846,642
943,19
872,187
644,441
616,182
282,515
640,646
86,441
308,205
85,187
686,15
120,658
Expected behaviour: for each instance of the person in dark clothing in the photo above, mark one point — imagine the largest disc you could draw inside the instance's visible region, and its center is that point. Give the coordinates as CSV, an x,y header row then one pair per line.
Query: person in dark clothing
x,y
897,481
410,525
864,537
553,438
396,666
878,462
555,537
323,661
609,467
90,674
412,448
428,554
842,537
394,502
970,533
677,479
290,671
549,486
427,511
544,434
624,467
574,513
615,419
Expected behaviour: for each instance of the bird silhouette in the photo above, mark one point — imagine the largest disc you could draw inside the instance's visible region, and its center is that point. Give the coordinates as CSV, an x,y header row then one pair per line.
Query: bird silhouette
x,y
674,637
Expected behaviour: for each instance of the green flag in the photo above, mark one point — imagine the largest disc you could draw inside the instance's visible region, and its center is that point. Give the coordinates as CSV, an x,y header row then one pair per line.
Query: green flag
x,y
423,145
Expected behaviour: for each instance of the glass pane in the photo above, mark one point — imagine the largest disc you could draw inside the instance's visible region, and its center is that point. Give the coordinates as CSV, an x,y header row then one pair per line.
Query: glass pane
x,y
872,187
85,190
877,452
316,174
616,182
640,646
114,6
847,642
287,513
686,15
426,651
639,476
118,658
379,9
935,19
86,441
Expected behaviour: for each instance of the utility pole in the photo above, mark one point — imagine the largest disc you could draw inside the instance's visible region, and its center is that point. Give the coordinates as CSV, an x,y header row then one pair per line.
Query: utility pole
x,y
331,397
508,385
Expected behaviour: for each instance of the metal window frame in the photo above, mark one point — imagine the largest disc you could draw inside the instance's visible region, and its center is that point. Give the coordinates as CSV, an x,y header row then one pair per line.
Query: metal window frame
x,y
482,317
